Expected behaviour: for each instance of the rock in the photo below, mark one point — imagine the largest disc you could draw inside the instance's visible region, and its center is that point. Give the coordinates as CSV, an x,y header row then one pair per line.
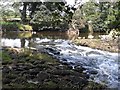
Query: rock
x,y
28,76
62,72
64,59
5,70
11,76
65,63
95,86
33,71
53,51
20,80
78,80
79,69
50,84
38,62
87,76
42,66
93,71
6,80
41,76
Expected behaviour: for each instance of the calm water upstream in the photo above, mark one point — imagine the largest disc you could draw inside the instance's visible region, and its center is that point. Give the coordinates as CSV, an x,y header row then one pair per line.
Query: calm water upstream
x,y
104,64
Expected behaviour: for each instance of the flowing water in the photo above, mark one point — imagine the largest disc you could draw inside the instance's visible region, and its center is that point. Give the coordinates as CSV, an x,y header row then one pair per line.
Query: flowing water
x,y
102,66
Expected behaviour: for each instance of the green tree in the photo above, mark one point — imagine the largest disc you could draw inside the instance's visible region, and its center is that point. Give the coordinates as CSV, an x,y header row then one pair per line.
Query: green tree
x,y
100,14
51,14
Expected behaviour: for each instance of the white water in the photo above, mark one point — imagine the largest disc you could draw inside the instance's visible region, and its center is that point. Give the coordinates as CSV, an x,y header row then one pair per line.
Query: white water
x,y
105,63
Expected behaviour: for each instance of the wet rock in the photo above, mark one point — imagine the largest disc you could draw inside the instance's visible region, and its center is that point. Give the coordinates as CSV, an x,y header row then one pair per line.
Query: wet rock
x,y
38,62
11,76
94,86
5,69
29,65
42,66
50,84
64,59
28,76
33,71
87,76
61,72
26,67
53,51
78,80
21,61
6,62
32,61
42,76
6,80
24,72
20,80
47,74
93,71
18,68
61,67
65,63
79,69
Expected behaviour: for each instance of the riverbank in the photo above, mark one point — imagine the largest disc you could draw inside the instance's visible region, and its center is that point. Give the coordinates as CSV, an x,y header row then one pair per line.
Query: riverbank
x,y
108,45
26,68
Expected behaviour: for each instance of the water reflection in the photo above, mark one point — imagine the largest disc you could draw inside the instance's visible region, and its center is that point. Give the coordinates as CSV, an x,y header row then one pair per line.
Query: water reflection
x,y
27,39
16,39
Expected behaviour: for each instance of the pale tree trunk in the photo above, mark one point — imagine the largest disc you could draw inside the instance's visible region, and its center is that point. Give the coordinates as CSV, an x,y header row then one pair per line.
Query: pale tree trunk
x,y
90,30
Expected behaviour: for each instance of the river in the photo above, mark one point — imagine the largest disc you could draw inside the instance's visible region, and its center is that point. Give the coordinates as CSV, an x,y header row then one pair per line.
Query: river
x,y
102,66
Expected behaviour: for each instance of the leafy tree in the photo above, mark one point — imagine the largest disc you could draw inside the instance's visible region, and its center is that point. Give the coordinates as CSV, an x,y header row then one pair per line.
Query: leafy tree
x,y
52,14
100,14
115,20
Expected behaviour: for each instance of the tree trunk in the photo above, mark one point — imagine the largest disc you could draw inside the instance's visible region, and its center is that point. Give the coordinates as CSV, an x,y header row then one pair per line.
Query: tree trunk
x,y
23,17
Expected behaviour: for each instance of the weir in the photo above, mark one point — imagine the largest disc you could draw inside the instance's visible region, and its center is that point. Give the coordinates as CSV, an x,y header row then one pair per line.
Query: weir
x,y
102,66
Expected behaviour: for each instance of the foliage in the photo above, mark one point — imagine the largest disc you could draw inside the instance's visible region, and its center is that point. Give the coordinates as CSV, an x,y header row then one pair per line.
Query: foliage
x,y
24,27
7,10
100,14
9,25
25,35
49,15
15,26
115,23
57,15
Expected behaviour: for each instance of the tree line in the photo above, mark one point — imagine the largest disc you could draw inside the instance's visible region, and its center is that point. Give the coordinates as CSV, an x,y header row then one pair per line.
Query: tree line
x,y
104,16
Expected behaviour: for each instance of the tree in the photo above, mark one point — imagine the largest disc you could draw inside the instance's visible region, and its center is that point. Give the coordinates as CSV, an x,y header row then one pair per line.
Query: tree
x,y
52,14
115,21
100,14
7,10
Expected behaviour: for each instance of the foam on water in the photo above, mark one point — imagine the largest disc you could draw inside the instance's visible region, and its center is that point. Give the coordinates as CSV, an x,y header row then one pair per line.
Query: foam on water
x,y
105,63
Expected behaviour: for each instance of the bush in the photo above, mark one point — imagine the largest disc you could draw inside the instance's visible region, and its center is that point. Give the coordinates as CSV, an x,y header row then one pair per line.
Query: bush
x,y
8,26
14,26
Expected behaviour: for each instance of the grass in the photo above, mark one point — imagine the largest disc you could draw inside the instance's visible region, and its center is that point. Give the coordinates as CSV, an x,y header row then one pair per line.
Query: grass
x,y
5,57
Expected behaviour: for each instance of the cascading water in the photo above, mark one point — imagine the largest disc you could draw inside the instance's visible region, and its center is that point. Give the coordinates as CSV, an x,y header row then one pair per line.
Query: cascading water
x,y
102,66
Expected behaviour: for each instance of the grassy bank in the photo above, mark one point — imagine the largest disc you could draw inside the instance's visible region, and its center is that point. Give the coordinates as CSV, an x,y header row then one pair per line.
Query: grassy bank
x,y
111,45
